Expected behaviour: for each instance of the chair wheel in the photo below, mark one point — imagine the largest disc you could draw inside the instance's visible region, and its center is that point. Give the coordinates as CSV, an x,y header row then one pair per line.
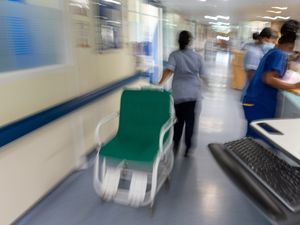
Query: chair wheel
x,y
102,200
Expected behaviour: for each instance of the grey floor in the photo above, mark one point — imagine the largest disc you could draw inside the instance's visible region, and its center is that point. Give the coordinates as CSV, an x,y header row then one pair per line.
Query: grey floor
x,y
200,193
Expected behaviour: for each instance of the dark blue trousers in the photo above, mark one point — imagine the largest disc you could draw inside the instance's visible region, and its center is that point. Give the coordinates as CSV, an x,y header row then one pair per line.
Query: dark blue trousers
x,y
257,112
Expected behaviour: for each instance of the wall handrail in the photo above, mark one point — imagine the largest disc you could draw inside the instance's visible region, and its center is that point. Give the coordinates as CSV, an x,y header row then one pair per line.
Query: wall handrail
x,y
21,127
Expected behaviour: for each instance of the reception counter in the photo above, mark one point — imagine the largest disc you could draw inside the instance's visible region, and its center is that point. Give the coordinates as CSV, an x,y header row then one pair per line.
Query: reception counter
x,y
238,74
289,104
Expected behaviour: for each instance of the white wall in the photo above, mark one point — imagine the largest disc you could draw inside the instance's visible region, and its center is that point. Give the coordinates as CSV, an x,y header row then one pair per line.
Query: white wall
x,y
47,3
25,92
35,163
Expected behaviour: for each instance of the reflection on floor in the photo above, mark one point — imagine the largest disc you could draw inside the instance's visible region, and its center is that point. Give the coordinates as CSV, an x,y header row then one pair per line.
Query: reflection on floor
x,y
199,193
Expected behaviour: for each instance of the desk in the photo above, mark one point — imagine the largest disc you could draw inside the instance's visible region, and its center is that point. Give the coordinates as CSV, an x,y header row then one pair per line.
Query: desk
x,y
295,91
289,141
259,194
238,73
288,105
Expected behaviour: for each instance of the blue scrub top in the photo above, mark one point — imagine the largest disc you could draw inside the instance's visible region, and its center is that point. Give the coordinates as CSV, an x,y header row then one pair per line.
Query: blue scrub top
x,y
258,92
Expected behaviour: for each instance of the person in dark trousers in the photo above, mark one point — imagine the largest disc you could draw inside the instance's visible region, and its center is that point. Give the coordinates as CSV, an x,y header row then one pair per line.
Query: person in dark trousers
x,y
260,100
187,66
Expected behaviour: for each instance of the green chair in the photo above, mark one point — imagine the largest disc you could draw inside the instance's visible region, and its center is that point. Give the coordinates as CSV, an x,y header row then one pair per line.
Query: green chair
x,y
131,168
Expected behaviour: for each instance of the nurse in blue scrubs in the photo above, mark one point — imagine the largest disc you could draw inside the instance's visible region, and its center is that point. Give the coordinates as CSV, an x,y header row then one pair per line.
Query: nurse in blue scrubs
x,y
260,100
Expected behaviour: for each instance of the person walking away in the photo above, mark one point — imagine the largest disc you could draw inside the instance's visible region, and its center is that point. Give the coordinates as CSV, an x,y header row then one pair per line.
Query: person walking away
x,y
187,66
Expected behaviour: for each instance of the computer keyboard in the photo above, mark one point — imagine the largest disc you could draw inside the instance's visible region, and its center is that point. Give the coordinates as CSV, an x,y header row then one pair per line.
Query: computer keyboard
x,y
282,179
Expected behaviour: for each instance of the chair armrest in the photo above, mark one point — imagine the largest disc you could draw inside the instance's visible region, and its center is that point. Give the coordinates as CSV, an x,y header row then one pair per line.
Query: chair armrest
x,y
102,122
165,128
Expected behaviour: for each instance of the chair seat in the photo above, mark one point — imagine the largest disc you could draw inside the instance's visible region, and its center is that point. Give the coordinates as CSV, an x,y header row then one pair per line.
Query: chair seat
x,y
130,150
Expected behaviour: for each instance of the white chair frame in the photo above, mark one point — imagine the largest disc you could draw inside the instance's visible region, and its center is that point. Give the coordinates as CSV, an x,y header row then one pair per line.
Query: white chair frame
x,y
161,168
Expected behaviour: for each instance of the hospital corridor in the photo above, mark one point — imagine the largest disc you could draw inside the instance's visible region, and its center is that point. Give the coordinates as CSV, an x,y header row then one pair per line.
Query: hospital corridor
x,y
149,112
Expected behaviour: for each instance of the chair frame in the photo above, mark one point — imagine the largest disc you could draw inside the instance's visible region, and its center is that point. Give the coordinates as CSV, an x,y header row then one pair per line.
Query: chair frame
x,y
161,168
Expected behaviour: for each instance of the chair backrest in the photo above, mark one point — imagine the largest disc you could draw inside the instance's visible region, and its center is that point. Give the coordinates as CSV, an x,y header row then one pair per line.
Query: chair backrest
x,y
142,114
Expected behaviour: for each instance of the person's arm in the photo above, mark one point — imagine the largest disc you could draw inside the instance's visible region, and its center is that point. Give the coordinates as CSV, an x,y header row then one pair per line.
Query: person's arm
x,y
251,62
166,75
271,78
250,74
203,75
168,71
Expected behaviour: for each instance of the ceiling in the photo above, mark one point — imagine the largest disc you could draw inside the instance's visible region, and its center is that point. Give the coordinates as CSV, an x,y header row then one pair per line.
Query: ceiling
x,y
238,10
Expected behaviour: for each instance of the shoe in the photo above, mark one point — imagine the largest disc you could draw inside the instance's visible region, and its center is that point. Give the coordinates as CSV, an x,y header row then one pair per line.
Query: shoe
x,y
175,148
186,153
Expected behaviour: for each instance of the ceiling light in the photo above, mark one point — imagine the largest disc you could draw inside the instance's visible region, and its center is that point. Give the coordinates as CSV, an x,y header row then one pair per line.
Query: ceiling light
x,y
219,37
217,17
171,24
202,0
211,17
223,17
280,8
112,21
269,17
275,18
113,1
219,23
271,11
283,18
